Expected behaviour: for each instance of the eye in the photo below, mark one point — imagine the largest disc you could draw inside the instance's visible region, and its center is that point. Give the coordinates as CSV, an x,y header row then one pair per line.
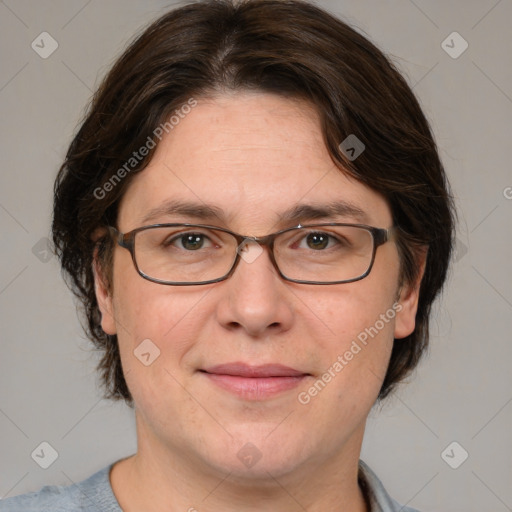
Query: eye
x,y
190,241
318,241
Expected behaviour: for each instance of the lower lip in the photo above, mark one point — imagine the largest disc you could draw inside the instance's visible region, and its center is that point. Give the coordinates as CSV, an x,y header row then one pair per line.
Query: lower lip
x,y
255,388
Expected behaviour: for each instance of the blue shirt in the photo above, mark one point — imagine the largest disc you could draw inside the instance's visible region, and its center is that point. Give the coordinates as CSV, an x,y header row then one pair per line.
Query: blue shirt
x,y
95,495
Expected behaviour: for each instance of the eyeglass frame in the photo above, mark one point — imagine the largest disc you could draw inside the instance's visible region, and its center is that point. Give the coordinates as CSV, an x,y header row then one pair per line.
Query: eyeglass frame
x,y
380,236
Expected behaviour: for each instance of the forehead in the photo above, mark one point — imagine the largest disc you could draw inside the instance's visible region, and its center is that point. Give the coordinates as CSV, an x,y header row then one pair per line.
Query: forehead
x,y
251,155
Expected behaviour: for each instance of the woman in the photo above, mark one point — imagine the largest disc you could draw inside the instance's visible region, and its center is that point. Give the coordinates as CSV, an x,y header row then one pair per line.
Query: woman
x,y
256,219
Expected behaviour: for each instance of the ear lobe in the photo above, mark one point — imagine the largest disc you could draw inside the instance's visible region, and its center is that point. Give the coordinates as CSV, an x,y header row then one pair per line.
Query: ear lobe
x,y
104,297
405,320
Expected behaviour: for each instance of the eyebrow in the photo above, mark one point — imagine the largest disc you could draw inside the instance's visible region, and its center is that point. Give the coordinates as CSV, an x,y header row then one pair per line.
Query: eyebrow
x,y
324,211
199,211
295,214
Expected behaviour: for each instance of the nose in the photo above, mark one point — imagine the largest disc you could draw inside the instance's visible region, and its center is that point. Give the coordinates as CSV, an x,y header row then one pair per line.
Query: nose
x,y
255,299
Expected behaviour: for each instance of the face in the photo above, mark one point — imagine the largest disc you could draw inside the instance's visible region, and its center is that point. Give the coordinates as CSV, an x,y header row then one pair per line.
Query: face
x,y
253,157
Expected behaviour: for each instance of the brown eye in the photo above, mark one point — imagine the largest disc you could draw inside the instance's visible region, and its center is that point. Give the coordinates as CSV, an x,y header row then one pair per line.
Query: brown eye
x,y
192,242
317,241
189,241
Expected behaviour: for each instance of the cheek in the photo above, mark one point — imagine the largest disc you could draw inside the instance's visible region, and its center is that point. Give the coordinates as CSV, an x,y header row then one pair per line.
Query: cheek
x,y
353,360
157,325
144,309
353,339
352,356
341,314
162,333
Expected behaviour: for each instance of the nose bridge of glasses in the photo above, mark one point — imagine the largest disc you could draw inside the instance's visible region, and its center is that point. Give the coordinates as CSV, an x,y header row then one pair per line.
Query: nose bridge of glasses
x,y
251,247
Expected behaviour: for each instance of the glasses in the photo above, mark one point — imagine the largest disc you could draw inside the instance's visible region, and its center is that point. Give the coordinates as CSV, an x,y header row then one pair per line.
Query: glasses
x,y
194,254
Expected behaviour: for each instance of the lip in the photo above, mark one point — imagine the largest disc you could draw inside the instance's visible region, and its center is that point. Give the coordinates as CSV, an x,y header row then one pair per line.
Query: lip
x,y
249,371
254,382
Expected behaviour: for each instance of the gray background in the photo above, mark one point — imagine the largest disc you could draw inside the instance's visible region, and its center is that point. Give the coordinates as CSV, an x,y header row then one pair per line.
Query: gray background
x,y
462,392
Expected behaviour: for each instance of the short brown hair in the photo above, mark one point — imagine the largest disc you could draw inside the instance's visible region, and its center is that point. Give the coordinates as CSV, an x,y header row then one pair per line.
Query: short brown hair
x,y
286,47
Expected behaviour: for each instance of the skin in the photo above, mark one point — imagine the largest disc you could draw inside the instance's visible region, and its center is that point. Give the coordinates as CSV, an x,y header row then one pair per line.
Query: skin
x,y
240,152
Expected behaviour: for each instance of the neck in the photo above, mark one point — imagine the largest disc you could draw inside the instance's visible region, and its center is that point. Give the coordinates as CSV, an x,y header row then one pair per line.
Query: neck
x,y
156,479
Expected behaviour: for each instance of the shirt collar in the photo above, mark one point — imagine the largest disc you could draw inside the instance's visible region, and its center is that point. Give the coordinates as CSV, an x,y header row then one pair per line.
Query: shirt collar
x,y
376,496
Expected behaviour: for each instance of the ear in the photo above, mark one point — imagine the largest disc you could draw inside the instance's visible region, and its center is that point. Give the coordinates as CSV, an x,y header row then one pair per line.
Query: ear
x,y
405,320
104,297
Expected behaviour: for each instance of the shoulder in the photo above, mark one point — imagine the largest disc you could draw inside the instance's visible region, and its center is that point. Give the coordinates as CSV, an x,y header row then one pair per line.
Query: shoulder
x,y
91,495
377,495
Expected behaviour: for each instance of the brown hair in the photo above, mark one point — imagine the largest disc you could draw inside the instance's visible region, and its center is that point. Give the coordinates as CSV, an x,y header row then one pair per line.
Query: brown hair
x,y
287,47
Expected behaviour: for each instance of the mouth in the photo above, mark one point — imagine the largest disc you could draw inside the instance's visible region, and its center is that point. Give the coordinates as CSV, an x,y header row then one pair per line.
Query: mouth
x,y
254,382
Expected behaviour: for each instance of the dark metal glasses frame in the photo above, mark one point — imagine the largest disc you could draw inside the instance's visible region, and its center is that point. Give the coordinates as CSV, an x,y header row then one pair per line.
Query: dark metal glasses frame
x,y
127,240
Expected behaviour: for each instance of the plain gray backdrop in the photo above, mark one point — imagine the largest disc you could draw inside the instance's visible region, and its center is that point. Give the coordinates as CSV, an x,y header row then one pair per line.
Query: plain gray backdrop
x,y
462,392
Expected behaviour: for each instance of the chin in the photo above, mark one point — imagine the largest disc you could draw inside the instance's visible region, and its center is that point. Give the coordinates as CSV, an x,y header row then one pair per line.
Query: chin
x,y
258,454
260,470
